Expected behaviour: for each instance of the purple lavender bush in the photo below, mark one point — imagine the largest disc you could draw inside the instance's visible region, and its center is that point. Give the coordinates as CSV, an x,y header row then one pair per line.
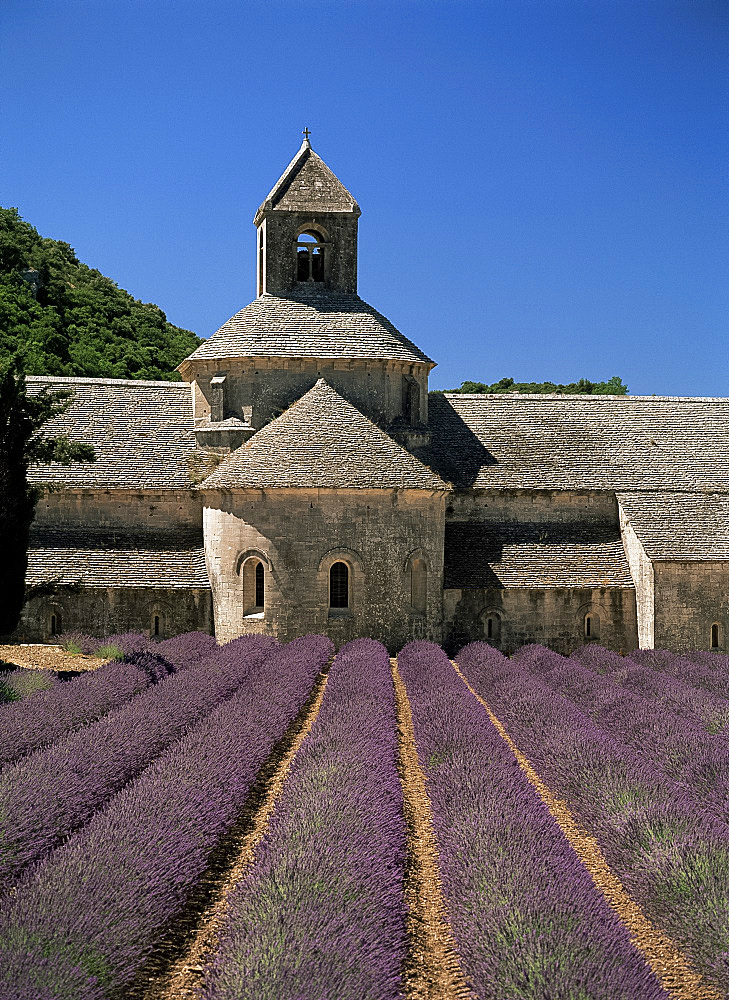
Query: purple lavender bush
x,y
188,649
83,920
676,743
127,642
77,642
674,685
21,683
671,854
48,715
704,670
321,913
156,667
46,796
526,915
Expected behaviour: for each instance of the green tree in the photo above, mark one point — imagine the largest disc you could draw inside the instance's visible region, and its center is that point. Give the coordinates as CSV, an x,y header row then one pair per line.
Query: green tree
x,y
23,444
64,318
613,387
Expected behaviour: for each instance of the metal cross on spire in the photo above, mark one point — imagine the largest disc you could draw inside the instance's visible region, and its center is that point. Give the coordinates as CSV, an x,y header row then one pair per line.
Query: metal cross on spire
x,y
306,133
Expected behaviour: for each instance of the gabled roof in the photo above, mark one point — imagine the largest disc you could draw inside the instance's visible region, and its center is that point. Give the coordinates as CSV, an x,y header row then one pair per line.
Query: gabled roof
x,y
678,526
556,442
322,441
523,554
141,433
116,557
307,184
309,322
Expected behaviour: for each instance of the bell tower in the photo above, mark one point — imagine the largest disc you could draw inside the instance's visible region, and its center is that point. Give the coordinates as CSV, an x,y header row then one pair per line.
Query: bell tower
x,y
307,230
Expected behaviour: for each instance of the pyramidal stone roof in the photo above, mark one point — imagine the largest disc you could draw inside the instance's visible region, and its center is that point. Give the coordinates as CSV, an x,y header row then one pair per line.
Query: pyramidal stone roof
x,y
322,441
307,184
310,321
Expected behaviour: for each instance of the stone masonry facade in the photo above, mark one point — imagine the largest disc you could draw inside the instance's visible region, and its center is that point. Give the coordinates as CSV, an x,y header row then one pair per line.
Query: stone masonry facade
x,y
302,479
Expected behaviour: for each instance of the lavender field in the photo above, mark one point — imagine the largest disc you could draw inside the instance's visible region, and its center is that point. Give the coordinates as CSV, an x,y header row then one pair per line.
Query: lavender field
x,y
259,820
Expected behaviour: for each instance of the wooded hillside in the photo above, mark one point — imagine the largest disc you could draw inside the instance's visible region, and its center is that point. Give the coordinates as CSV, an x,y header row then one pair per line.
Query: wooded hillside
x,y
65,318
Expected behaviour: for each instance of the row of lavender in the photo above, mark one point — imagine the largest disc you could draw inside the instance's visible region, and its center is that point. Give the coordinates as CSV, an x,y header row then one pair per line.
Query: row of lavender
x,y
32,723
321,913
624,765
81,923
670,724
48,794
527,918
22,682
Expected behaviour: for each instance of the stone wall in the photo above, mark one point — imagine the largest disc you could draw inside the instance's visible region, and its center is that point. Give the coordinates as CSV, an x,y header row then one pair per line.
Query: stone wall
x,y
553,617
259,389
280,230
533,505
103,611
177,512
641,570
298,534
690,596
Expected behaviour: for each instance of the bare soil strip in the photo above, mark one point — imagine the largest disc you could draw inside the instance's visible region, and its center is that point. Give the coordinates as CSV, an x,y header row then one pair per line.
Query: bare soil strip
x,y
39,656
671,968
433,970
175,971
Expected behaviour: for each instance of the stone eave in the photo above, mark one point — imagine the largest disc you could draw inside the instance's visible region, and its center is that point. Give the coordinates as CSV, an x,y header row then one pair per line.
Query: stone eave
x,y
188,367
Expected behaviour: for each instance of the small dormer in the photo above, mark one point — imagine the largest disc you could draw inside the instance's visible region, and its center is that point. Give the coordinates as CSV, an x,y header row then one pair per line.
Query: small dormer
x,y
307,229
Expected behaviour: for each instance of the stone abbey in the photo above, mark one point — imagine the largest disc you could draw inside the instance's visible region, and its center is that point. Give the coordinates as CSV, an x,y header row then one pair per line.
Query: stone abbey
x,y
302,479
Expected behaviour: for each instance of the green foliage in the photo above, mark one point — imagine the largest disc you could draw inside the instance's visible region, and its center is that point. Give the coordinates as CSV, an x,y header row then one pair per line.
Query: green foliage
x,y
613,387
110,652
68,319
22,444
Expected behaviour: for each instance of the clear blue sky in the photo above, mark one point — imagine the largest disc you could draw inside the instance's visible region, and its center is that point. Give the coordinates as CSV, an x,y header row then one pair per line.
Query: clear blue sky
x,y
543,184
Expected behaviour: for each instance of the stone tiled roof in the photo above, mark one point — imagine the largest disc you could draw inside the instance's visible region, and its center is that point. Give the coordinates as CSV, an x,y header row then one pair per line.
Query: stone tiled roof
x,y
679,526
581,442
534,555
307,184
103,559
310,321
141,433
322,441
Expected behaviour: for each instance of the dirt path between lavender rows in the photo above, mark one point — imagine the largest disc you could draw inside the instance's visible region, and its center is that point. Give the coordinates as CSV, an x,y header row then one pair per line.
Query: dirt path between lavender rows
x,y
433,970
671,968
179,976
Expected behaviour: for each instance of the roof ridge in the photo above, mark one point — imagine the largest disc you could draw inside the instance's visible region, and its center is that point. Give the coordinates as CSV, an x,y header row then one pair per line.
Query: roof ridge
x,y
321,440
83,379
579,395
281,187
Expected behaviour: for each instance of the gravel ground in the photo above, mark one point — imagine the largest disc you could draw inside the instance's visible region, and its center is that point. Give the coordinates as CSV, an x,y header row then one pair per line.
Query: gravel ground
x,y
40,656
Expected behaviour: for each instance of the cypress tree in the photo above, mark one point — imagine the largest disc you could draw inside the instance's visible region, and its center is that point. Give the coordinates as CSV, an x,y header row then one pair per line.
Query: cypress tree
x,y
23,444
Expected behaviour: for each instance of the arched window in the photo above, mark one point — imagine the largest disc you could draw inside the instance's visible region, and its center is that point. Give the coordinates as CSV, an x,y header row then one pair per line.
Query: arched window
x,y
254,586
309,257
56,624
259,585
339,585
418,585
592,626
716,636
158,622
260,261
492,627
410,399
